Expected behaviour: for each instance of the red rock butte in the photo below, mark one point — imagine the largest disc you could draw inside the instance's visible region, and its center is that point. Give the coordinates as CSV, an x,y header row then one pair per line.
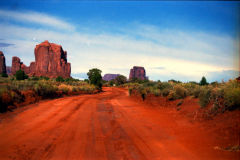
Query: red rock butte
x,y
50,61
137,72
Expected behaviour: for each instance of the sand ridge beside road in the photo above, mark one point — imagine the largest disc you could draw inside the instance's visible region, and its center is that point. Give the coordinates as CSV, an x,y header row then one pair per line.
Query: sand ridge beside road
x,y
109,125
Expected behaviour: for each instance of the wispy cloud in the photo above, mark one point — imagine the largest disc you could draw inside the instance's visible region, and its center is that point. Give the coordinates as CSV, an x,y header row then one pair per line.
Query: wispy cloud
x,y
5,44
36,18
165,54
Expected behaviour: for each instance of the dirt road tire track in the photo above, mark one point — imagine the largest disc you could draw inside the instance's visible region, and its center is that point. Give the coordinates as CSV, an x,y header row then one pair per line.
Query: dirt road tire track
x,y
109,125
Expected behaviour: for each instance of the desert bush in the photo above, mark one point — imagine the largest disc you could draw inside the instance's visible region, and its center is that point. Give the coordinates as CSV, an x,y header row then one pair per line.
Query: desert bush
x,y
180,91
164,85
156,92
217,93
119,80
165,92
64,88
204,96
59,79
232,98
130,91
20,75
143,92
45,90
34,78
4,74
172,95
196,91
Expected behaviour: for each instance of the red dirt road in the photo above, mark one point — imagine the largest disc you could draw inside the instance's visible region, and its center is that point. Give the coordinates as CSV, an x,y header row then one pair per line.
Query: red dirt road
x,y
109,125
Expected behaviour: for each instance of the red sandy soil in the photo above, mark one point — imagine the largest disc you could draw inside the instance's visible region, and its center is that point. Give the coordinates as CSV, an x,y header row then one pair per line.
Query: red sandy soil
x,y
111,125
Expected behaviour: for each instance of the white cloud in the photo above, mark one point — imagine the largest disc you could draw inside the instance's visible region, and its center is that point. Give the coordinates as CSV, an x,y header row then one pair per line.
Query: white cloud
x,y
183,55
36,18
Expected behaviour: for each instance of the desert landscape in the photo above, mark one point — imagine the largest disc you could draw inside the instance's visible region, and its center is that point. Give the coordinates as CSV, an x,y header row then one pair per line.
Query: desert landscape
x,y
151,93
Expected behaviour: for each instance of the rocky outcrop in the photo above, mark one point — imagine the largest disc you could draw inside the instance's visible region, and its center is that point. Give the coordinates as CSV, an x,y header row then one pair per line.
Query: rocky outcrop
x,y
138,73
2,63
16,65
50,61
108,77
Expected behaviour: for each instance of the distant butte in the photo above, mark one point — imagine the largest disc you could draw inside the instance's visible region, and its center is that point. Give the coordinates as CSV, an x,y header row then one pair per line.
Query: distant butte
x,y
137,72
109,77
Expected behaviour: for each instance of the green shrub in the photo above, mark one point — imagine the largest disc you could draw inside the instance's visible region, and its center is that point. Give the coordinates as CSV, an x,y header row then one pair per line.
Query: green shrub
x,y
35,78
120,80
45,90
165,92
172,95
4,75
164,85
20,75
44,78
59,79
204,97
232,98
180,91
196,91
156,92
130,91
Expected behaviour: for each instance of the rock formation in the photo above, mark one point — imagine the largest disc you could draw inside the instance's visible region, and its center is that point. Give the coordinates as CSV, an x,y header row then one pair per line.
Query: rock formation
x,y
108,77
137,72
16,65
50,61
2,63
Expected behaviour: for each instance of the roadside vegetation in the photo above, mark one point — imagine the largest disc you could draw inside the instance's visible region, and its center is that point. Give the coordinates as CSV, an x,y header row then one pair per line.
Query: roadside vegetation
x,y
20,89
219,97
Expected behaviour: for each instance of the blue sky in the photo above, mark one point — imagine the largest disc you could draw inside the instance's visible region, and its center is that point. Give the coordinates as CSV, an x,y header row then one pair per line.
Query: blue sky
x,y
172,40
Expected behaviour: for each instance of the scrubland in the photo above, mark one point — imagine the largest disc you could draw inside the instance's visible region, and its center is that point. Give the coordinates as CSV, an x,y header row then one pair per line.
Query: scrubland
x,y
14,93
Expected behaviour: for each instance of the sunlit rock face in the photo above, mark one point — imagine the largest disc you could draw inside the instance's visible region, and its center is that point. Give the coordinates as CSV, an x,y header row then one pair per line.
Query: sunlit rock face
x,y
2,63
16,65
137,72
50,61
109,77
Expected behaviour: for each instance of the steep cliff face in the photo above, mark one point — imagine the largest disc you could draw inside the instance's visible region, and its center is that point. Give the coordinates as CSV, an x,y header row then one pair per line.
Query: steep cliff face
x,y
2,63
51,61
137,72
108,77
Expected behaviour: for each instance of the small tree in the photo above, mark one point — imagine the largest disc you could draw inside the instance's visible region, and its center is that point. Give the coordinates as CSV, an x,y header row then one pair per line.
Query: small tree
x,y
95,77
20,75
120,80
203,81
